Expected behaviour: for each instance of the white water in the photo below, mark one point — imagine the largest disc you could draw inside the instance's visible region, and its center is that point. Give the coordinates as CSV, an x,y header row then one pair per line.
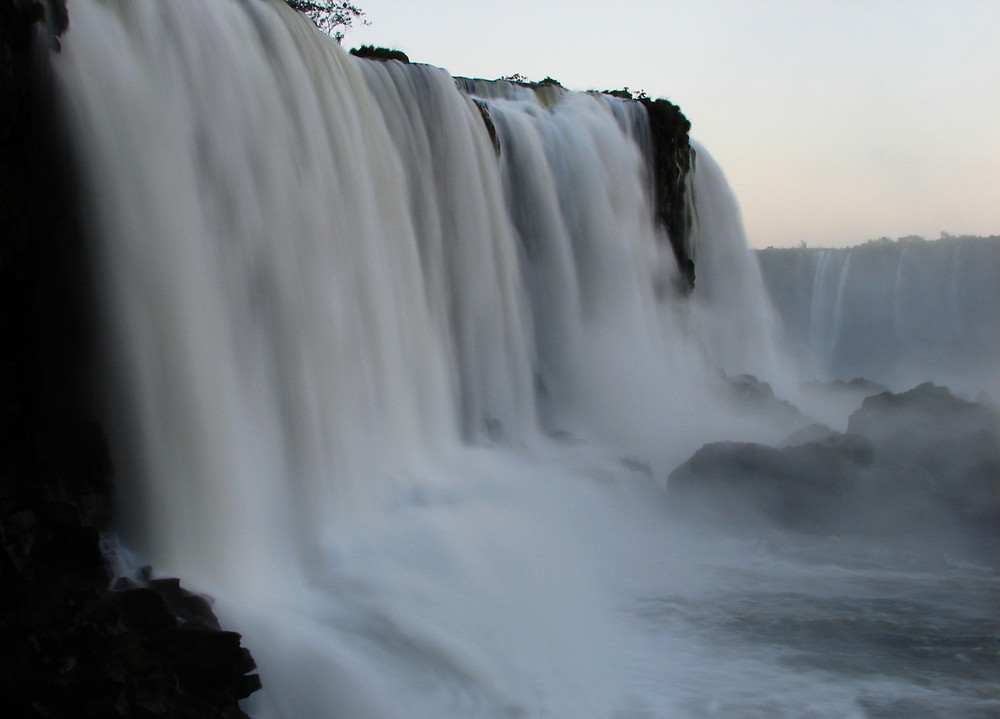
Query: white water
x,y
340,334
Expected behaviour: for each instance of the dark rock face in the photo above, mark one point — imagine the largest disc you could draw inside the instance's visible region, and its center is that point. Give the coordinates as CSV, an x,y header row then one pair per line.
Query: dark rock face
x,y
44,431
672,161
69,647
923,463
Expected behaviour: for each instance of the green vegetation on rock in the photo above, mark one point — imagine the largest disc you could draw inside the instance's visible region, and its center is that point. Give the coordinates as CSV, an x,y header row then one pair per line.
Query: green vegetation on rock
x,y
370,52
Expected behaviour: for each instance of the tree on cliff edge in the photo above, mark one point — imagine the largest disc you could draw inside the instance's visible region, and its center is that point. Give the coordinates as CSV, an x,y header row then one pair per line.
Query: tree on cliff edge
x,y
331,16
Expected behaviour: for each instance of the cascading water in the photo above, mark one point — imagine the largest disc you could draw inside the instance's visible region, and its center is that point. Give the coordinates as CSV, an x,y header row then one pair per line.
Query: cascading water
x,y
374,385
893,312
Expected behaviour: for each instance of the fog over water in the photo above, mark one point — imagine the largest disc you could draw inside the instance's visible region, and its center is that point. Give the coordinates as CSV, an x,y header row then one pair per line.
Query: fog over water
x,y
411,407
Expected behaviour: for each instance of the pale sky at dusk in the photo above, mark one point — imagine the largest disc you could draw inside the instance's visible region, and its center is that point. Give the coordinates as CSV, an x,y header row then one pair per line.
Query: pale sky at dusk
x,y
836,121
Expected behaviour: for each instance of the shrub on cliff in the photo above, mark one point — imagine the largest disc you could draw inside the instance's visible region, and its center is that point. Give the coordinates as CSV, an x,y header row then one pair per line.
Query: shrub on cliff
x,y
370,52
333,17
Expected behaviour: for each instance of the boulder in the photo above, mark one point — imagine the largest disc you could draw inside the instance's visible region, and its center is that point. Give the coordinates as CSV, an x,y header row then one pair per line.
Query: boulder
x,y
952,443
69,647
749,395
921,465
810,433
805,487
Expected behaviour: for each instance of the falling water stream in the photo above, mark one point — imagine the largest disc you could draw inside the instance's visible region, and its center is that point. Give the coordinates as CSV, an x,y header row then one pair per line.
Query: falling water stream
x,y
404,401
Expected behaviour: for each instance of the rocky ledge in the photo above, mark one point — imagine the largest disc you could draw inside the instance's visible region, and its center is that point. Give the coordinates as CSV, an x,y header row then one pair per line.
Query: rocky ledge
x,y
70,646
923,464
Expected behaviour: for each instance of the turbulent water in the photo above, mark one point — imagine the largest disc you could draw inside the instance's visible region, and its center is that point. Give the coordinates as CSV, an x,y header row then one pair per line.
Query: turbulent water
x,y
403,400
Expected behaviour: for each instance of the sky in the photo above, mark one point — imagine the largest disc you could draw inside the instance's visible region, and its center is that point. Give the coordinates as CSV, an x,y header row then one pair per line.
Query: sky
x,y
836,121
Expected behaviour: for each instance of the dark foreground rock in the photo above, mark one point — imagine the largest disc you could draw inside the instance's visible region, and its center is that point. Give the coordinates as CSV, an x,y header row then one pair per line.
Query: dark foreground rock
x,y
923,463
71,647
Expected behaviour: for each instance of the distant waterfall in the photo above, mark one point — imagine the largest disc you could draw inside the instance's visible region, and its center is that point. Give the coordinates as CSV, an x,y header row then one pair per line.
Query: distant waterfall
x,y
895,312
341,327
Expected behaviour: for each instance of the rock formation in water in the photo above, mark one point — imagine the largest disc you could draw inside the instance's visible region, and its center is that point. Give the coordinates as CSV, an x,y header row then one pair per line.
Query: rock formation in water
x,y
950,445
72,647
805,487
751,397
921,464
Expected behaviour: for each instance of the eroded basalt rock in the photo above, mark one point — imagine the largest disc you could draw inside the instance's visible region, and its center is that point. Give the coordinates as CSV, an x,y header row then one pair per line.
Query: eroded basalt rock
x,y
673,160
923,464
953,442
807,487
750,396
69,647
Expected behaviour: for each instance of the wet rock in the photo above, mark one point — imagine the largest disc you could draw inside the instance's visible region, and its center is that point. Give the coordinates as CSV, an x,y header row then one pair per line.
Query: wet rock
x,y
923,464
806,487
146,611
70,647
188,606
207,660
672,160
810,433
953,443
750,395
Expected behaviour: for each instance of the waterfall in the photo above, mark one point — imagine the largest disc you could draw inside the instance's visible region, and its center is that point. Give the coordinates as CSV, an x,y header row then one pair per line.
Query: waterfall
x,y
833,338
734,316
898,313
341,332
826,306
